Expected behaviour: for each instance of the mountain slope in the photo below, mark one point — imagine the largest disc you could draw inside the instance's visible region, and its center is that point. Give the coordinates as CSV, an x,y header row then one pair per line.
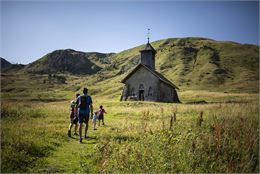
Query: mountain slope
x,y
190,63
197,63
4,64
9,67
70,61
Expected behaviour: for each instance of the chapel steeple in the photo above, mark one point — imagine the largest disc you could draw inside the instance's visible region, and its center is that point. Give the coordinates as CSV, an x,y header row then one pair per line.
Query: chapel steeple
x,y
148,54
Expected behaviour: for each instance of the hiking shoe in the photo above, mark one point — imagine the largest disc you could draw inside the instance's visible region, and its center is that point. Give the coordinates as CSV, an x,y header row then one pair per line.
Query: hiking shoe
x,y
86,137
95,129
75,133
69,133
80,140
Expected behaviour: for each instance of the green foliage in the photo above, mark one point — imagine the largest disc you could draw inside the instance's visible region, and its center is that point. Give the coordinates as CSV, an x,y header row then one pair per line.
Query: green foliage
x,y
25,139
221,145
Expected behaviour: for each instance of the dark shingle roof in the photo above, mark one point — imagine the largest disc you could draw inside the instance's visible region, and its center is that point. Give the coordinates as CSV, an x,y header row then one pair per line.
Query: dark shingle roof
x,y
157,74
148,47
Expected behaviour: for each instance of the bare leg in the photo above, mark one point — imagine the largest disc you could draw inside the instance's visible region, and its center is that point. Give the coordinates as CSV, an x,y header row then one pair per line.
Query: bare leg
x,y
70,126
86,129
80,131
94,125
76,126
69,131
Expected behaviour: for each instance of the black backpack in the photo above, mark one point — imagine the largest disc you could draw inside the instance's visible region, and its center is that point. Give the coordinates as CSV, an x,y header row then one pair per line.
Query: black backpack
x,y
83,102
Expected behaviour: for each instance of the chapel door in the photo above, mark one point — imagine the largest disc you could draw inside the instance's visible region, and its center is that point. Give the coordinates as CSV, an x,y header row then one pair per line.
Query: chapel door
x,y
141,95
141,92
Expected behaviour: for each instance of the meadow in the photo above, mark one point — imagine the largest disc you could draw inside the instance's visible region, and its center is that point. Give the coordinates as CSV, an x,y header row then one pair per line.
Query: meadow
x,y
208,132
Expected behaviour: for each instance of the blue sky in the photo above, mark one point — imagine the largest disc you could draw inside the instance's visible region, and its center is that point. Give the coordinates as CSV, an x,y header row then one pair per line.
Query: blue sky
x,y
31,29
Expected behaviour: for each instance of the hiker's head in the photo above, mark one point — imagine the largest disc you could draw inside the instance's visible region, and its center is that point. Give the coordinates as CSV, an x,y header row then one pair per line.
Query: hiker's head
x,y
96,112
101,107
77,95
85,90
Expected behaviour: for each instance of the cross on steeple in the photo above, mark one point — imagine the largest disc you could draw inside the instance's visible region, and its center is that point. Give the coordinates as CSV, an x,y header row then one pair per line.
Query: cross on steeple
x,y
148,34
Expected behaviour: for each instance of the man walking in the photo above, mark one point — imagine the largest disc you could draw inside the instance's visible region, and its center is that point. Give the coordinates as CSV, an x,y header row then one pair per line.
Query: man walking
x,y
84,108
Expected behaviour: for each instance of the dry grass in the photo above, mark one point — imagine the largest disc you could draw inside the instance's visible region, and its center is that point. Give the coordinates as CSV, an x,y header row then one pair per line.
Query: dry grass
x,y
140,136
225,140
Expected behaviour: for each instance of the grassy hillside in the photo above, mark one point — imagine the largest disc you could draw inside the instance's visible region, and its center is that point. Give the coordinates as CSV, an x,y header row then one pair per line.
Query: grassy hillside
x,y
198,63
68,61
216,127
190,63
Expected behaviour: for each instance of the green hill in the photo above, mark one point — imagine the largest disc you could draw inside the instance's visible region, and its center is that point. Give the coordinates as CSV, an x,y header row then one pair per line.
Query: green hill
x,y
190,63
198,63
70,61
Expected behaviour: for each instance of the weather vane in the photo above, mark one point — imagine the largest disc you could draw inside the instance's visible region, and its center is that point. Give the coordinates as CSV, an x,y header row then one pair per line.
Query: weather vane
x,y
148,34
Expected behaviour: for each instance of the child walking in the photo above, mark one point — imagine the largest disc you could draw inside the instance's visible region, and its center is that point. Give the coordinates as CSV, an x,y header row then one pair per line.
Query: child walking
x,y
101,115
73,116
94,119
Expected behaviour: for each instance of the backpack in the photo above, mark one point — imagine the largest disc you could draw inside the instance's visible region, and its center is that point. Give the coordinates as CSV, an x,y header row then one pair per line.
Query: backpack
x,y
83,102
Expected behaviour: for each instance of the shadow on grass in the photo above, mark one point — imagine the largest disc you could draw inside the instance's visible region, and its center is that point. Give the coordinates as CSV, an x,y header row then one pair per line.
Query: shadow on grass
x,y
91,138
88,140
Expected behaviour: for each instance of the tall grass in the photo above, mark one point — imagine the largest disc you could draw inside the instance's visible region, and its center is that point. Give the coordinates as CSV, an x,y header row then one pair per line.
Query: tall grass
x,y
227,140
138,136
27,135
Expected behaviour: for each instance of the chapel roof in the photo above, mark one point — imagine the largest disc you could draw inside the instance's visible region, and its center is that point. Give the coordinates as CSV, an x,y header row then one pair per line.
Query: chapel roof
x,y
148,47
157,74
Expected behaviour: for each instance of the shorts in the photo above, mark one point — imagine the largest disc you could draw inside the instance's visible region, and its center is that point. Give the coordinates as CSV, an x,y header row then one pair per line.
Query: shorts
x,y
83,117
94,119
101,117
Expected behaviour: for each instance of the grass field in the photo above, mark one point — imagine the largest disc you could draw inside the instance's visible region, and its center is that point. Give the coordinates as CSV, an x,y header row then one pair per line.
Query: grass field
x,y
213,131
